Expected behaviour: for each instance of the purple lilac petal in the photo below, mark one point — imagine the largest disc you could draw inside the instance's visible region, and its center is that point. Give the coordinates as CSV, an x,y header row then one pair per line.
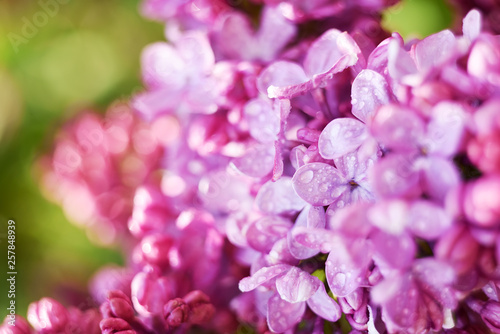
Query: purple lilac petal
x,y
472,24
369,91
263,122
332,52
324,305
483,60
297,285
446,128
256,162
315,238
397,127
341,136
275,32
396,176
280,253
153,103
393,251
163,67
436,277
390,216
439,177
282,315
278,197
194,47
319,183
400,298
350,221
434,50
400,65
428,220
311,217
263,233
283,79
262,276
345,268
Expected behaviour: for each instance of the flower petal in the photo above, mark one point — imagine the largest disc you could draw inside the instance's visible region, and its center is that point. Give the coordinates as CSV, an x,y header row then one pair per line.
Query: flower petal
x,y
324,305
369,91
315,238
331,53
256,162
283,79
282,315
434,50
262,276
396,127
345,269
263,121
263,233
428,220
393,251
341,136
297,285
163,67
278,197
446,128
319,183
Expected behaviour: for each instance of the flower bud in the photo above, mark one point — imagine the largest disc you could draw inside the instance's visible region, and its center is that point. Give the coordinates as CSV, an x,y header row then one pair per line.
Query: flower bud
x,y
201,308
150,293
176,312
20,326
47,316
491,315
120,305
115,326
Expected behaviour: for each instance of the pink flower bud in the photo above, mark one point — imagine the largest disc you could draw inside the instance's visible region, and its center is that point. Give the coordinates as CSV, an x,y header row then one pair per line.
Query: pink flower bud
x,y
47,316
176,312
150,293
15,324
201,308
115,326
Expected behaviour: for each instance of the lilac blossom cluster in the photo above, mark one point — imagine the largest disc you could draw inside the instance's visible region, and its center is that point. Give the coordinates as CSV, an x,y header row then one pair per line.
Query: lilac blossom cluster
x,y
290,167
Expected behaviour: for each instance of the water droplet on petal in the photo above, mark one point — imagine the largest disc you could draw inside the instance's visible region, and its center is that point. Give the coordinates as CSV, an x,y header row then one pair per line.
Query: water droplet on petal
x,y
323,188
340,204
306,176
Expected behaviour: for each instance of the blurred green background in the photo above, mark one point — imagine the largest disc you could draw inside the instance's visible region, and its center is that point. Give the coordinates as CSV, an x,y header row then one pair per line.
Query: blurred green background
x,y
85,56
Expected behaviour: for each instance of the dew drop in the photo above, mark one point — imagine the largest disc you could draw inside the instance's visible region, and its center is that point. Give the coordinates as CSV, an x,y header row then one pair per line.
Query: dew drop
x,y
340,204
306,176
354,101
361,104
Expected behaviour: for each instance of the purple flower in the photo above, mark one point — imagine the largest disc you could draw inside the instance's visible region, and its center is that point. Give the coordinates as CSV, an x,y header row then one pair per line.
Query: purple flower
x,y
294,289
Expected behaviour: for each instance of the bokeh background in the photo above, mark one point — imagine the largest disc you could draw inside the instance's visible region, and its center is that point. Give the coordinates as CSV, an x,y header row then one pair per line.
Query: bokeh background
x,y
83,57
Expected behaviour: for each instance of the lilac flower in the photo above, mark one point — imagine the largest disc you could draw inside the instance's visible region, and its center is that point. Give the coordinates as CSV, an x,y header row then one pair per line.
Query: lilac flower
x,y
91,166
235,39
322,184
294,287
331,53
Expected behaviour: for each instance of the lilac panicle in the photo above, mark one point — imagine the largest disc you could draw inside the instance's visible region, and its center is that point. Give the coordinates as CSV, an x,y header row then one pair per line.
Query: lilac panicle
x,y
287,163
